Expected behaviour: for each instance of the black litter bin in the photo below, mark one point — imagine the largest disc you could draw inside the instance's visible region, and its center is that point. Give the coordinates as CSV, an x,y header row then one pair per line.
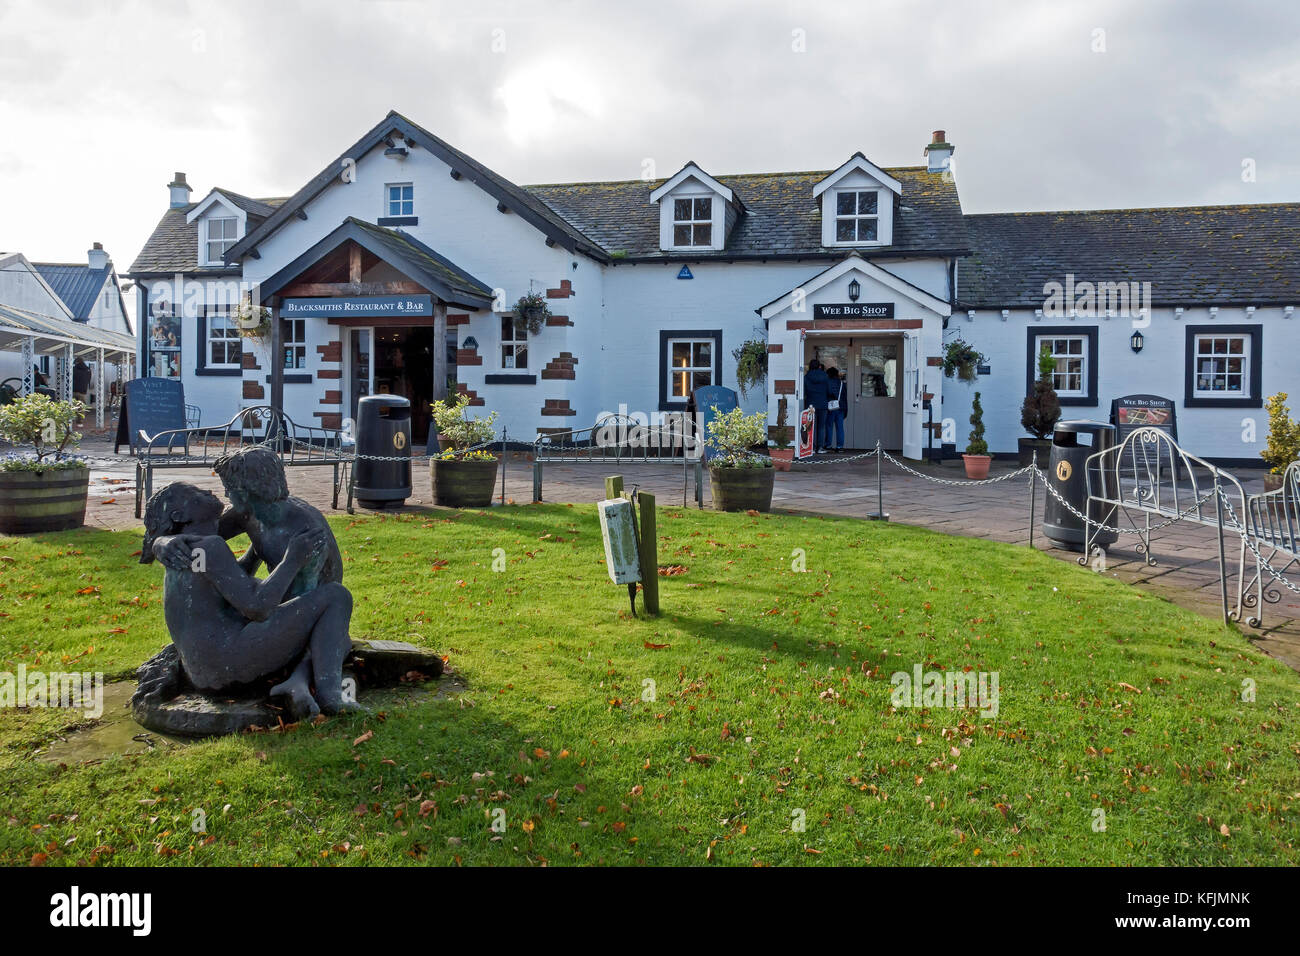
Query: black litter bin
x,y
1072,443
383,432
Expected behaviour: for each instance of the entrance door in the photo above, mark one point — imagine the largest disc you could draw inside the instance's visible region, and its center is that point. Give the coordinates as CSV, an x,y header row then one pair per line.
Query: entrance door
x,y
876,407
360,372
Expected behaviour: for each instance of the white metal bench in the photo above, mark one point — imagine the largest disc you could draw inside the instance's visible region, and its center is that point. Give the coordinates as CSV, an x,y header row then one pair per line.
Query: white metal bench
x,y
1273,521
296,445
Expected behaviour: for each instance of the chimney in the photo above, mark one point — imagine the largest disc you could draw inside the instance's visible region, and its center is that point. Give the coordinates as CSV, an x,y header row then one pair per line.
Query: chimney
x,y
97,257
180,191
939,152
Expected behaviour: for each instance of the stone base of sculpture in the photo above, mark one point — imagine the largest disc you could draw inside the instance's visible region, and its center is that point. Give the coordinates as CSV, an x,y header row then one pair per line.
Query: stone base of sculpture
x,y
167,703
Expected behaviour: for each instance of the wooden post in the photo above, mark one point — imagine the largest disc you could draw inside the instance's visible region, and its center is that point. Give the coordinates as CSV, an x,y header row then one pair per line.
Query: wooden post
x,y
648,548
439,350
614,486
277,358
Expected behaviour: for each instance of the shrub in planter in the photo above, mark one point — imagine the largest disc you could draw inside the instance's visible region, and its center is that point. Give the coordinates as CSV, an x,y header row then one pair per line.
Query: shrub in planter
x,y
782,454
751,364
531,312
977,457
1283,444
741,480
1040,412
464,474
45,490
962,359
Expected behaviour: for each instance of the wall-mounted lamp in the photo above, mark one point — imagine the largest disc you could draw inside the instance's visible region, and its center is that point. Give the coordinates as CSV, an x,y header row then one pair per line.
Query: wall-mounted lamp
x,y
469,343
1136,341
855,290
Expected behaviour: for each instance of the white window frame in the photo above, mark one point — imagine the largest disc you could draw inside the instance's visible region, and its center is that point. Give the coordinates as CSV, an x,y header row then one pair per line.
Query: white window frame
x,y
298,342
211,315
672,371
1083,356
405,206
222,241
513,339
856,217
1242,375
693,223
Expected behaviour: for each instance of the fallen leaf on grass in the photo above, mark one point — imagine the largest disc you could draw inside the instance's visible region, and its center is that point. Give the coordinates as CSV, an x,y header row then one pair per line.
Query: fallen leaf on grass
x,y
655,647
363,738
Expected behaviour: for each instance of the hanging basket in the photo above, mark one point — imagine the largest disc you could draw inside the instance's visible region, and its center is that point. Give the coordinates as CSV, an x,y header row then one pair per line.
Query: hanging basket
x,y
531,313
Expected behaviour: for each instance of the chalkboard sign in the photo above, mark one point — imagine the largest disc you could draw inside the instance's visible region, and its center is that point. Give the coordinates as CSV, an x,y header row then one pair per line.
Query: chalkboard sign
x,y
1132,412
707,396
150,405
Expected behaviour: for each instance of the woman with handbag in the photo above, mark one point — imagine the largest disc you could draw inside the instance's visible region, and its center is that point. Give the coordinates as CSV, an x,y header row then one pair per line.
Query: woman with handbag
x,y
836,406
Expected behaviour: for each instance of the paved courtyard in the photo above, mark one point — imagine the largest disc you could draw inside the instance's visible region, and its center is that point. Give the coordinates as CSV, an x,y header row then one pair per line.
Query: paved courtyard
x,y
1187,554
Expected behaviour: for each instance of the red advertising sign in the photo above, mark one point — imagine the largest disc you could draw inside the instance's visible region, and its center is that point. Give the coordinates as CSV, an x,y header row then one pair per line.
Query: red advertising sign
x,y
807,433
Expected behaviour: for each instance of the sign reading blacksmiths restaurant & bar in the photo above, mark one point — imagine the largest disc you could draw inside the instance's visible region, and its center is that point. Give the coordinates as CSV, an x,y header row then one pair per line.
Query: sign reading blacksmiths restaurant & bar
x,y
414,305
855,310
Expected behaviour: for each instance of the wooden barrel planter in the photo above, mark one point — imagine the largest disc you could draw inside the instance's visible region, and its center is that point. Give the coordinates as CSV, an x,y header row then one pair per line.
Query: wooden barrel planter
x,y
742,489
53,500
463,484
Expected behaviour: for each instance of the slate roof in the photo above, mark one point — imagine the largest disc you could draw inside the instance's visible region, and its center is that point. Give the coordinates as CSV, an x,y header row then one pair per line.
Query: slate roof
x,y
1225,255
782,218
405,246
174,244
77,285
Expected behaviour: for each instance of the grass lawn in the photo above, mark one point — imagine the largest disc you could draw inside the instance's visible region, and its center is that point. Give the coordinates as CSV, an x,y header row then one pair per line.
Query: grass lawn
x,y
772,705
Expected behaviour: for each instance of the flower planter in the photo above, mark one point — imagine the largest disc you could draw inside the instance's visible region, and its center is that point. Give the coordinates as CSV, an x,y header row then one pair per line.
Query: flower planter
x,y
1272,482
782,458
51,500
463,484
1027,447
977,466
742,489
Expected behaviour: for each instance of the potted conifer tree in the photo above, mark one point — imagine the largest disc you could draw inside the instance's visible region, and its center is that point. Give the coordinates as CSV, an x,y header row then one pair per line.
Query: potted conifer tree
x,y
1283,440
464,473
46,489
1040,412
977,457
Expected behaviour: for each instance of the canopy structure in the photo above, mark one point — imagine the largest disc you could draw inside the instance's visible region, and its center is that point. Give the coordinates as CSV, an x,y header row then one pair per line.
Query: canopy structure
x,y
33,334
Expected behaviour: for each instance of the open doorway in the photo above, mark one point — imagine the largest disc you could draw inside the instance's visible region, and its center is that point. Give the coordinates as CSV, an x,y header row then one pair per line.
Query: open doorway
x,y
393,361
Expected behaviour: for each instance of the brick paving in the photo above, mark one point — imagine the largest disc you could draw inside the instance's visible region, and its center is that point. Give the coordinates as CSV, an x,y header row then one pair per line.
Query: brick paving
x,y
1187,555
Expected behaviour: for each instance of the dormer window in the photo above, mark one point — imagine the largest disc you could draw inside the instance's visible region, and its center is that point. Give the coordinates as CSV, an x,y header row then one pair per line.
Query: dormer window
x,y
696,212
857,202
222,234
693,222
857,215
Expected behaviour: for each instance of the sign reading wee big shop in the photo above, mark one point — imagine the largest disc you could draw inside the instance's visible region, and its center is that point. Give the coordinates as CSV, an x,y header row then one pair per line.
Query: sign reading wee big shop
x,y
332,306
855,310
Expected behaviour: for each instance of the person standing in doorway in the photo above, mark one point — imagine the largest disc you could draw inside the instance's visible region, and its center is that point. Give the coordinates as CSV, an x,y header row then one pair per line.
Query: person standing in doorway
x,y
836,406
81,386
816,394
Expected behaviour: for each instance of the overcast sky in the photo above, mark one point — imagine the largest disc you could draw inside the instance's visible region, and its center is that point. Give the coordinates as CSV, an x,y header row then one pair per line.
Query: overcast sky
x,y
1051,105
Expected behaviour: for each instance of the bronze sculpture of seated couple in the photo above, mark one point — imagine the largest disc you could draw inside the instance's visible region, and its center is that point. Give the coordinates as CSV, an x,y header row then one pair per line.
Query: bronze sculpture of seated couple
x,y
283,637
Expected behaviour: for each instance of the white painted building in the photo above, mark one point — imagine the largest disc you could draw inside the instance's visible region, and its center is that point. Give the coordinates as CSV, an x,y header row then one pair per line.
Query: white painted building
x,y
394,270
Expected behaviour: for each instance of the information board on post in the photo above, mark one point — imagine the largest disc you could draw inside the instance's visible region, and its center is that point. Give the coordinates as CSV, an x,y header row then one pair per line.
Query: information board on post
x,y
1132,412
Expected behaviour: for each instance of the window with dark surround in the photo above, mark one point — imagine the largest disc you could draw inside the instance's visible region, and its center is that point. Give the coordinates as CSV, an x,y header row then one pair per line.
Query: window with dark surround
x,y
1075,350
220,346
688,359
1224,366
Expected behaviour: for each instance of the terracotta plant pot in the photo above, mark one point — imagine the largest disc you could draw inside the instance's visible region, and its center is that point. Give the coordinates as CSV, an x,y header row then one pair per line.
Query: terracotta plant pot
x,y
977,466
782,458
463,484
1026,448
53,500
742,489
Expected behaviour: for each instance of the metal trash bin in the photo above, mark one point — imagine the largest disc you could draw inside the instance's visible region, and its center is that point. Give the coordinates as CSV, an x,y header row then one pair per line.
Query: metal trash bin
x,y
384,432
1066,474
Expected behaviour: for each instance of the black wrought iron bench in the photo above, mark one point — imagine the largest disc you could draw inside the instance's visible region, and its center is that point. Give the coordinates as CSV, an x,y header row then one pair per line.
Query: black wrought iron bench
x,y
296,445
1273,523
